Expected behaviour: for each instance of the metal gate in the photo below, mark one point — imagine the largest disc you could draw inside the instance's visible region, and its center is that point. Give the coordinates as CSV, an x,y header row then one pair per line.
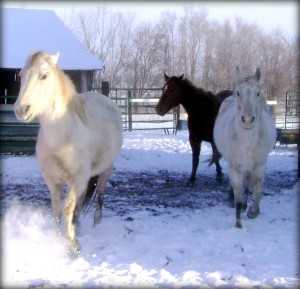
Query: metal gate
x,y
16,137
288,133
138,110
138,113
292,110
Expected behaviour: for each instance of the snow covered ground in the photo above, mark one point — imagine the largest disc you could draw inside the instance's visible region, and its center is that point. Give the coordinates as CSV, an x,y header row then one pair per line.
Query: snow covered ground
x,y
154,244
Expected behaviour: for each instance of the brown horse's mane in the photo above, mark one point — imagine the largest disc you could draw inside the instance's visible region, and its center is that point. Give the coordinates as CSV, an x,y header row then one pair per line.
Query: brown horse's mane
x,y
197,94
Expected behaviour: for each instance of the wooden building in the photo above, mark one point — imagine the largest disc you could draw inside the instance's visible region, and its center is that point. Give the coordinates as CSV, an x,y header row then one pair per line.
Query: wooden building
x,y
26,30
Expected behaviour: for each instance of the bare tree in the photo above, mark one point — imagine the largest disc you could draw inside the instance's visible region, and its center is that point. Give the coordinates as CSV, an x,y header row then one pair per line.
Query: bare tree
x,y
168,28
192,28
106,35
136,54
145,61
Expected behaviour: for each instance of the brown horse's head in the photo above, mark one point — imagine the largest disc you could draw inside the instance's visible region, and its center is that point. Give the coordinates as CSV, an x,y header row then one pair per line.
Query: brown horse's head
x,y
171,96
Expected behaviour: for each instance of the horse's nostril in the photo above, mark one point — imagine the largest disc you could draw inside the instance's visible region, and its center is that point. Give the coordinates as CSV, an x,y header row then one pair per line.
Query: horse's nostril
x,y
247,119
22,111
25,109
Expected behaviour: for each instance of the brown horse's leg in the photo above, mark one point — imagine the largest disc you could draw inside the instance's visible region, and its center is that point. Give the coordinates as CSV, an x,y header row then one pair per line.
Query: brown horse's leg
x,y
196,148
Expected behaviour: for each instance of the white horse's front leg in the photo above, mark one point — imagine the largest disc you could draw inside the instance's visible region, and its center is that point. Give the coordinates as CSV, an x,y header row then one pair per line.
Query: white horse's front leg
x,y
69,211
258,179
236,180
55,192
56,205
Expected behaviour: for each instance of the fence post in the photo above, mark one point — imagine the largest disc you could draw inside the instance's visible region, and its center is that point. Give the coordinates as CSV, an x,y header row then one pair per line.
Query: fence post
x,y
105,88
129,111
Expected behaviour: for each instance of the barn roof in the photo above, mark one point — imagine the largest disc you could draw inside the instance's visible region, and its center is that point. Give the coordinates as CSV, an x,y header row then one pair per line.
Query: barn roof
x,y
26,30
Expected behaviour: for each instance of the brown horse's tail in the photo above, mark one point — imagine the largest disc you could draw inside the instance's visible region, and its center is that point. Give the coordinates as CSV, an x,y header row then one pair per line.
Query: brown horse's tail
x,y
90,193
215,157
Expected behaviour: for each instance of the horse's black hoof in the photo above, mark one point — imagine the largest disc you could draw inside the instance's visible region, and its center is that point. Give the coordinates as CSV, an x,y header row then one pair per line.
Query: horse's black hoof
x,y
219,179
191,182
192,179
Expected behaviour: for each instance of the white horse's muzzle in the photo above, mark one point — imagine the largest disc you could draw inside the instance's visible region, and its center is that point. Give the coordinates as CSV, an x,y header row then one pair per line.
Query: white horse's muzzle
x,y
23,112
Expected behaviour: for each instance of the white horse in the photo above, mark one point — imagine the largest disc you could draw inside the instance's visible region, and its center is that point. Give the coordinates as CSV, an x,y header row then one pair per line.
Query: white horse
x,y
244,134
79,138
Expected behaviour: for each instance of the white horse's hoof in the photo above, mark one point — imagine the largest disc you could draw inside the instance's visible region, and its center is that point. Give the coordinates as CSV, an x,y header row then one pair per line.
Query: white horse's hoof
x,y
253,213
238,224
73,250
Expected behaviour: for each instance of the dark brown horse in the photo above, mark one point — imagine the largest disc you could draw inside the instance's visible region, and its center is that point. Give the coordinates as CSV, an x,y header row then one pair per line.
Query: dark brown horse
x,y
202,108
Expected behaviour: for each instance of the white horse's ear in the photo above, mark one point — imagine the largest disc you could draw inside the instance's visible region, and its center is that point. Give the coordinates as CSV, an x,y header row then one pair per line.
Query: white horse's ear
x,y
53,59
234,76
257,74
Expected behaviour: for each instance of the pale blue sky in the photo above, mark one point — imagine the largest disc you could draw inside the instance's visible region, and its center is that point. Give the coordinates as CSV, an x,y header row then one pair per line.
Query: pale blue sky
x,y
269,15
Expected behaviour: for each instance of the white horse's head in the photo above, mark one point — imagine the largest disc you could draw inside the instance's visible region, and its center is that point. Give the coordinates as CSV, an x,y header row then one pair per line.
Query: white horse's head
x,y
37,84
248,98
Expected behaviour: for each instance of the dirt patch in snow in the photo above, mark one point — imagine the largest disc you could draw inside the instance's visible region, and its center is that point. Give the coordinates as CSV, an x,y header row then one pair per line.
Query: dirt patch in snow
x,y
129,191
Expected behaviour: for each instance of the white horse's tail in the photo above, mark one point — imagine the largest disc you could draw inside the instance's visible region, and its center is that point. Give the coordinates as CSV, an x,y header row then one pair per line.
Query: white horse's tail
x,y
90,192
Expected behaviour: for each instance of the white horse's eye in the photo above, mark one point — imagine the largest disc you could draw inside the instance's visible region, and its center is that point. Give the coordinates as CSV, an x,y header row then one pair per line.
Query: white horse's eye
x,y
43,77
258,94
237,93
